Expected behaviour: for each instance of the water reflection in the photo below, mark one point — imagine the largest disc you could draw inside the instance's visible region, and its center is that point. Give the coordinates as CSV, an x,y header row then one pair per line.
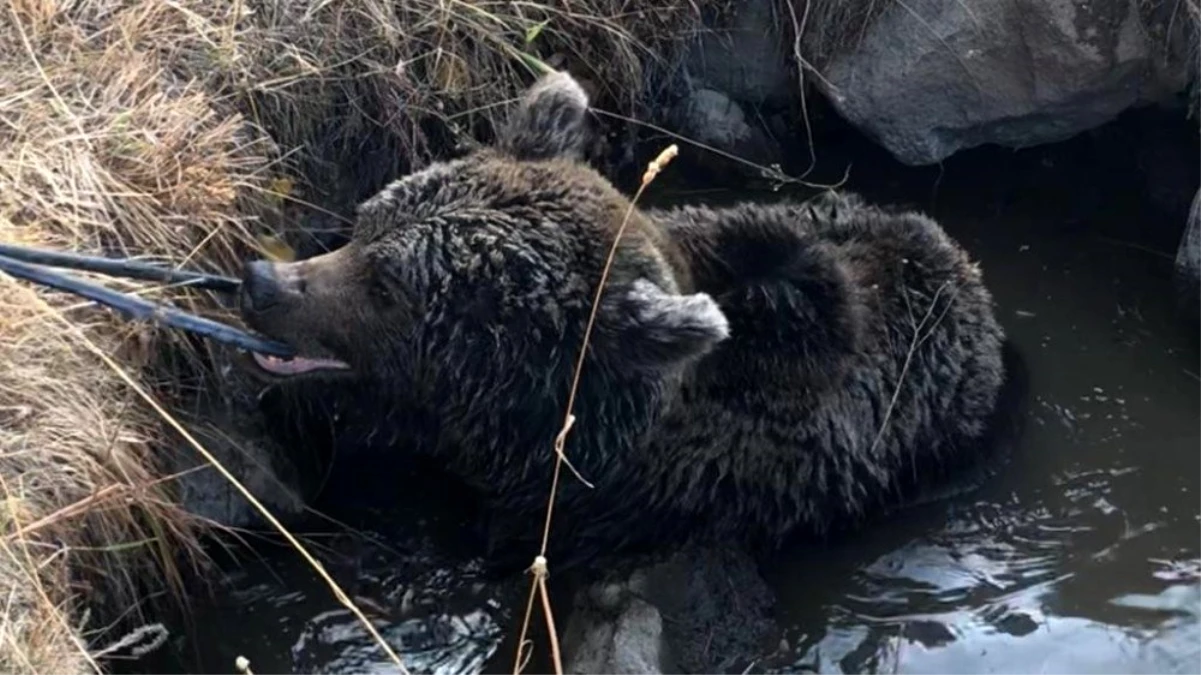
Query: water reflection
x,y
1082,554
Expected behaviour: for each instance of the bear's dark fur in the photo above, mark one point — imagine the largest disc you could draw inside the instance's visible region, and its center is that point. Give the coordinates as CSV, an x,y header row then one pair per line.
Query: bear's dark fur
x,y
754,371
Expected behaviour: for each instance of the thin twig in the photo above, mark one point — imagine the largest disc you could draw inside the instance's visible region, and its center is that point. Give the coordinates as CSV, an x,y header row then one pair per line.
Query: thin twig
x,y
540,568
915,343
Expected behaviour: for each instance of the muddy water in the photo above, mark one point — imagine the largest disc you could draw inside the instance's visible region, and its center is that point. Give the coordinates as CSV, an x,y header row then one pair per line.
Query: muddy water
x,y
1080,553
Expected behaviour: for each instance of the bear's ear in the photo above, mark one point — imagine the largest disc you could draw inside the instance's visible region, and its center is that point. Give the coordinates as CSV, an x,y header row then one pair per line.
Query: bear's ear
x,y
549,121
646,327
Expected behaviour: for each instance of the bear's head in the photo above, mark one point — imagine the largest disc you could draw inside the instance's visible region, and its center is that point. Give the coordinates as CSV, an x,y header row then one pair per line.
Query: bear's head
x,y
471,281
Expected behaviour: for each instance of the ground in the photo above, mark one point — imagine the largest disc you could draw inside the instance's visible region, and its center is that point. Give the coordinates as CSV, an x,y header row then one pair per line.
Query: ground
x,y
754,372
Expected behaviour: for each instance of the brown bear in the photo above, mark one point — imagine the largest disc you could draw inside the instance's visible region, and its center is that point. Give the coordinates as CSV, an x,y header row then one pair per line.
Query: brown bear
x,y
754,372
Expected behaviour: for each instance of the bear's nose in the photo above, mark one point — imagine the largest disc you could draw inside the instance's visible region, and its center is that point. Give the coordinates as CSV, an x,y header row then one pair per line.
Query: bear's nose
x,y
260,286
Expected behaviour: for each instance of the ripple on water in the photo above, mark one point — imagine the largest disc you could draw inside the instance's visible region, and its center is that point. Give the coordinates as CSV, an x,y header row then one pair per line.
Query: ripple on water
x,y
1081,555
336,642
432,610
436,613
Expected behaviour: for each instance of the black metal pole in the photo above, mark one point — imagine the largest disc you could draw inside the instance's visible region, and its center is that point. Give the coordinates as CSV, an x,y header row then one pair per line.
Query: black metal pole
x,y
119,268
143,309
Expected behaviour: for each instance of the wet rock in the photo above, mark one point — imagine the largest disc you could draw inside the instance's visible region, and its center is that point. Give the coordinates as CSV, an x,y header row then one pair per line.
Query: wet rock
x,y
701,610
612,630
715,120
255,462
743,55
732,86
929,78
226,422
1188,264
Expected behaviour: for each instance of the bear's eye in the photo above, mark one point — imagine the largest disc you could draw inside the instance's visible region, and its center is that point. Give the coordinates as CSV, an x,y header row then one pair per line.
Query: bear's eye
x,y
380,291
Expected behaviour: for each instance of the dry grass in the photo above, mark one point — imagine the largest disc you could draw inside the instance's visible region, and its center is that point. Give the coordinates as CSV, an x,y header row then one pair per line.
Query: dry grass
x,y
104,145
173,129
382,87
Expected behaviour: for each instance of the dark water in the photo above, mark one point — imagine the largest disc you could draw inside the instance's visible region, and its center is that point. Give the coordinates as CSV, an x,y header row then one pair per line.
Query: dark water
x,y
1081,554
404,566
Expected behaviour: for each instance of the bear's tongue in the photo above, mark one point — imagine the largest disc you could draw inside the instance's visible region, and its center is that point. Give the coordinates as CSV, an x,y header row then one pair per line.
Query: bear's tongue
x,y
296,365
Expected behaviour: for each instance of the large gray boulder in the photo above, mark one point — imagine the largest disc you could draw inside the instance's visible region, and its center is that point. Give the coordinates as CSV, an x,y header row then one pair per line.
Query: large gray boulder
x,y
927,78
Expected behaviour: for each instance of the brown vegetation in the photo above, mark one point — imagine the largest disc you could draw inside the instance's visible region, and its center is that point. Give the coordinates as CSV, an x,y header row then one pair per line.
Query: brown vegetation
x,y
177,130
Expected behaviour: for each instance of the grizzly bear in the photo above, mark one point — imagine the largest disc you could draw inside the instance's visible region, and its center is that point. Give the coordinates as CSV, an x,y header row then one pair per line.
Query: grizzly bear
x,y
754,371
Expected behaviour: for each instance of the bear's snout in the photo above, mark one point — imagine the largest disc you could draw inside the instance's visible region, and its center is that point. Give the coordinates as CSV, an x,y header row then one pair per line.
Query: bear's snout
x,y
265,285
260,286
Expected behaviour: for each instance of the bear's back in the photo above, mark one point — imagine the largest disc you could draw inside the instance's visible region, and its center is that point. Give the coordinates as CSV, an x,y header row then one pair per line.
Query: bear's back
x,y
863,352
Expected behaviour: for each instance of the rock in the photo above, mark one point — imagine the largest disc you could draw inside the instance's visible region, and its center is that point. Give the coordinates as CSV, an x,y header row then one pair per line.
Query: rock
x,y
700,610
929,78
227,423
1188,264
713,119
744,56
614,631
257,463
734,80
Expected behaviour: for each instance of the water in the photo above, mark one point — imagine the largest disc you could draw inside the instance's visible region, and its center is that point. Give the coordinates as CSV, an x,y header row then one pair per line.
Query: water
x,y
1081,554
404,567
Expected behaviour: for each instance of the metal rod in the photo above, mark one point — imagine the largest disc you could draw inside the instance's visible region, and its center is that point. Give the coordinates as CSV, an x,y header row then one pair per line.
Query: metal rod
x,y
119,268
144,309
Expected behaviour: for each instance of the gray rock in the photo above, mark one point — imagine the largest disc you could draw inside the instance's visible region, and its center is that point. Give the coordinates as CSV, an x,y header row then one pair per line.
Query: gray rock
x,y
701,610
613,631
229,426
713,119
256,463
744,56
929,78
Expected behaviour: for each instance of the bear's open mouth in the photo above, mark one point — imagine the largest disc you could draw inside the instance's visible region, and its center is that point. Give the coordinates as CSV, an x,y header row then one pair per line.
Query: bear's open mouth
x,y
297,365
